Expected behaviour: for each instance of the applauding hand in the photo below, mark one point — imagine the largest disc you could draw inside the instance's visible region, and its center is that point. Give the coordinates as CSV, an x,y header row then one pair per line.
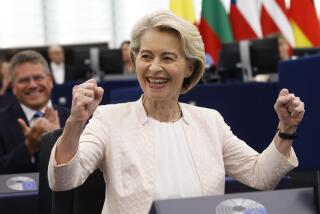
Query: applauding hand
x,y
42,125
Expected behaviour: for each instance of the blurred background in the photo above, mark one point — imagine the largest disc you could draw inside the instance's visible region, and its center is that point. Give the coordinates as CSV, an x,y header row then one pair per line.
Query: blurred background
x,y
81,25
42,22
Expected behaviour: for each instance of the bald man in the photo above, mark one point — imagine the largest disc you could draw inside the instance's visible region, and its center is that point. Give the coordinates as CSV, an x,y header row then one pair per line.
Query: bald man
x,y
61,72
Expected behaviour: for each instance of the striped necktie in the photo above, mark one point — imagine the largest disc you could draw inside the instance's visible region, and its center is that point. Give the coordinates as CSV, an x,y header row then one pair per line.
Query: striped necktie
x,y
37,115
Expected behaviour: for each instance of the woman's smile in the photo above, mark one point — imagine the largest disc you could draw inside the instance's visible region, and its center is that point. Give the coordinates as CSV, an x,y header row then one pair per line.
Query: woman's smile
x,y
157,83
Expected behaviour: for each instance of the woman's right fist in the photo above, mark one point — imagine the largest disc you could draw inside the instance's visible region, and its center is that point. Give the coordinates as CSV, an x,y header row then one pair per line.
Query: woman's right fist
x,y
85,99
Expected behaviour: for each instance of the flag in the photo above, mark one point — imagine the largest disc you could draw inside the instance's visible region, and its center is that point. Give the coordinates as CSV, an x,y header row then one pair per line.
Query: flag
x,y
275,19
184,9
214,27
244,19
305,23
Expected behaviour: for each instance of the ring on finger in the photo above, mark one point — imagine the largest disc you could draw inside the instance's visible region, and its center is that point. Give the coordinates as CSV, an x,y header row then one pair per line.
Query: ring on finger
x,y
85,92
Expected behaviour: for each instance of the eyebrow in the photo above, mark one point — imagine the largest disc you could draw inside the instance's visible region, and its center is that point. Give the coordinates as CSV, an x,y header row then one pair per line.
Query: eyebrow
x,y
170,53
32,76
164,53
144,50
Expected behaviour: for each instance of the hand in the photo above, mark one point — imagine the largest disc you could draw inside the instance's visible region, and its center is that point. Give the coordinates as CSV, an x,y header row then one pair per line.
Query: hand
x,y
85,99
53,118
42,125
33,134
290,111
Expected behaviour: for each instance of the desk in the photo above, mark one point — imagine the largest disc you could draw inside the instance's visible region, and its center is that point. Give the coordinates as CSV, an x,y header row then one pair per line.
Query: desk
x,y
25,202
116,77
293,201
19,202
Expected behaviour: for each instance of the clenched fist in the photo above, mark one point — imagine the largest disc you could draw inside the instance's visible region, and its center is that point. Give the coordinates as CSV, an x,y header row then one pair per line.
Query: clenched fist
x,y
290,111
85,99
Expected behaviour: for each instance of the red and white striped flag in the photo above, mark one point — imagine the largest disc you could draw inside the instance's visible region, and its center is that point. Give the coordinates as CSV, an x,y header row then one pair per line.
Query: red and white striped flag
x,y
275,18
244,19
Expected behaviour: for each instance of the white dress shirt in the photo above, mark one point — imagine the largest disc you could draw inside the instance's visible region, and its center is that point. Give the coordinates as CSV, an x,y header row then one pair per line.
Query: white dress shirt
x,y
31,112
175,173
58,72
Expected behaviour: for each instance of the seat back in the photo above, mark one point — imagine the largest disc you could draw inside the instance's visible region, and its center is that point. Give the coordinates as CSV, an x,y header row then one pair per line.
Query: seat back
x,y
87,198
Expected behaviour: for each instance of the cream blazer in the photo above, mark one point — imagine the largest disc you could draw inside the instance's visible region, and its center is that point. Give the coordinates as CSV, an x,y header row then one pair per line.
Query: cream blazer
x,y
118,140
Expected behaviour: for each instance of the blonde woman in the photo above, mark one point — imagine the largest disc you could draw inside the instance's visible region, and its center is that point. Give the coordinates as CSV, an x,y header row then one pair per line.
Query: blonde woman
x,y
157,148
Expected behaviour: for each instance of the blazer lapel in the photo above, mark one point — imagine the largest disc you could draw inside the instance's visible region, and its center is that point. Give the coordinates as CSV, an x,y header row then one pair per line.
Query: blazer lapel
x,y
18,112
200,146
194,139
146,145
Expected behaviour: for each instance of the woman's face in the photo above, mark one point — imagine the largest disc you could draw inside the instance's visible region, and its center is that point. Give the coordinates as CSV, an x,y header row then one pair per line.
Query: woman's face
x,y
161,66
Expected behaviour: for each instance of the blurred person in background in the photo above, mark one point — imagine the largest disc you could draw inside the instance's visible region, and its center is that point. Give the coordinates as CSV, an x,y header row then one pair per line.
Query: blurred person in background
x,y
23,122
285,50
127,66
62,72
285,53
4,77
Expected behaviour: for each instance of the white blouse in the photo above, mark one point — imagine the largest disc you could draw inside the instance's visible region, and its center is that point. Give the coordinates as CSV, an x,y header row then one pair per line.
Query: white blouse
x,y
175,172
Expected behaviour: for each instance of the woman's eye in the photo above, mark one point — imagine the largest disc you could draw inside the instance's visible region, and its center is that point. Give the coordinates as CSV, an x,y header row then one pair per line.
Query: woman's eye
x,y
145,56
168,59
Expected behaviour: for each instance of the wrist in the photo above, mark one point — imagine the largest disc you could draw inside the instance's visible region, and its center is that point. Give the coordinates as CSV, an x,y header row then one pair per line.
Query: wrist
x,y
286,134
287,129
30,147
73,121
74,125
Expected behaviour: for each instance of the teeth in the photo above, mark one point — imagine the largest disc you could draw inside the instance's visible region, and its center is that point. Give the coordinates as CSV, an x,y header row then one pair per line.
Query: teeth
x,y
33,93
157,81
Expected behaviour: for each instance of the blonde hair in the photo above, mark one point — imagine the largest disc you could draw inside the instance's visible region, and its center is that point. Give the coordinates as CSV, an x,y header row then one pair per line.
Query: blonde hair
x,y
188,34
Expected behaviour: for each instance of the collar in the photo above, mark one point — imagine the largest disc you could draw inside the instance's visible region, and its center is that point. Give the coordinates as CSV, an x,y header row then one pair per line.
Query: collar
x,y
30,112
55,65
141,113
143,118
186,117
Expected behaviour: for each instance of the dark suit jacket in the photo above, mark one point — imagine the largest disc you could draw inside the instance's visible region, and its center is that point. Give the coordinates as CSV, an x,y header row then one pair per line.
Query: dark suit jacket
x,y
72,74
14,156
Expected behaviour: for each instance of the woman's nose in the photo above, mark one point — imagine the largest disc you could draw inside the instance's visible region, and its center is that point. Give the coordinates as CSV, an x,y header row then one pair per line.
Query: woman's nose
x,y
155,66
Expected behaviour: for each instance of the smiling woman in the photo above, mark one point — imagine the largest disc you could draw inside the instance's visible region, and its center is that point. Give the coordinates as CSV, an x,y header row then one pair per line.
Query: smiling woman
x,y
161,69
157,147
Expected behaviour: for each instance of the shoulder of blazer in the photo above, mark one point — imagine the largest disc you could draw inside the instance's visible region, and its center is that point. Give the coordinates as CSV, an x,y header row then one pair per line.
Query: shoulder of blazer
x,y
11,113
